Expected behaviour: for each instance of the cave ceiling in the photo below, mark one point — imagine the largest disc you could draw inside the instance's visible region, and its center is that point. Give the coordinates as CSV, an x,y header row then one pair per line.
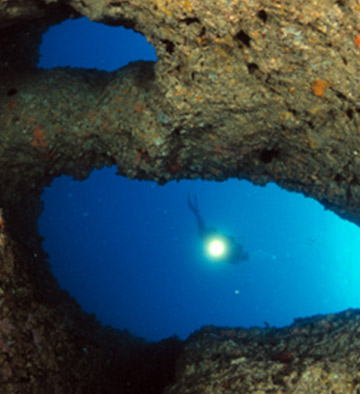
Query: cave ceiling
x,y
266,91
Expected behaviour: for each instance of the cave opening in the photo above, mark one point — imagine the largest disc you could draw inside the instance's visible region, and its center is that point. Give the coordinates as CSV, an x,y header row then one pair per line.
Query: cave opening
x,y
128,251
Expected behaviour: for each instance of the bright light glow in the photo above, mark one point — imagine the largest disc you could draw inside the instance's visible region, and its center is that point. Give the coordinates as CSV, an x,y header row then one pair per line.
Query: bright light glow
x,y
216,248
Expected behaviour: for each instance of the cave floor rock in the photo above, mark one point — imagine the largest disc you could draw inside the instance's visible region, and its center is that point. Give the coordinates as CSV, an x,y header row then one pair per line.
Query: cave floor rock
x,y
317,355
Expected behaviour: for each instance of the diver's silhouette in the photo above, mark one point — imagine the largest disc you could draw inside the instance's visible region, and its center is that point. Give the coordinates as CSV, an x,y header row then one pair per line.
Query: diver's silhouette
x,y
235,251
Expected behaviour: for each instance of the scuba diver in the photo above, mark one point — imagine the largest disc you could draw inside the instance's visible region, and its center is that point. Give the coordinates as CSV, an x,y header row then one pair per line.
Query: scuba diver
x,y
217,246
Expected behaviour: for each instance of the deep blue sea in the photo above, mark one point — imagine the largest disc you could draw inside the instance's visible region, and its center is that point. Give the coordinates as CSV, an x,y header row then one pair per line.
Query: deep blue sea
x,y
129,251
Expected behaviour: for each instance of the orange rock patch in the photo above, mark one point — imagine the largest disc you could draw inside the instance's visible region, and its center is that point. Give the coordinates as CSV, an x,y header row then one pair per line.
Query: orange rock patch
x,y
39,138
319,86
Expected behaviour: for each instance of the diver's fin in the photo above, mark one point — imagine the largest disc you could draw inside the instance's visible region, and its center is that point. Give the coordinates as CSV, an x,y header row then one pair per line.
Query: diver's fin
x,y
196,203
192,205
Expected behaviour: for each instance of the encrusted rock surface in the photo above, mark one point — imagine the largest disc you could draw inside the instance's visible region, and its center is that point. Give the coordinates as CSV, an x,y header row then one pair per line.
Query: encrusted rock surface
x,y
317,355
259,89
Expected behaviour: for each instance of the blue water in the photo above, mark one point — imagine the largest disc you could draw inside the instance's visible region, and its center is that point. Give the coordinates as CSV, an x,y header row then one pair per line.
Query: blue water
x,y
129,251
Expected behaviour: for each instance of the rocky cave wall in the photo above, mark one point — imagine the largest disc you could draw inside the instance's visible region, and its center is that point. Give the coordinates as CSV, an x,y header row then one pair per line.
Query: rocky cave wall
x,y
262,90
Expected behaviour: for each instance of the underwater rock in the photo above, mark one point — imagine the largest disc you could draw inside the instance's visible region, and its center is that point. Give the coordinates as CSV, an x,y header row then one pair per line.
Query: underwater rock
x,y
262,90
316,355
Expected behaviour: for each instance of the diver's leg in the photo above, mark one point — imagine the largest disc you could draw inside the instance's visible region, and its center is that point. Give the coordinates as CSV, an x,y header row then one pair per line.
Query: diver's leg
x,y
195,209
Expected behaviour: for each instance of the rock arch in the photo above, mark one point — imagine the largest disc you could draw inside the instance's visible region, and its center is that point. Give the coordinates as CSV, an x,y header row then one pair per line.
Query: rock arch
x,y
262,90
